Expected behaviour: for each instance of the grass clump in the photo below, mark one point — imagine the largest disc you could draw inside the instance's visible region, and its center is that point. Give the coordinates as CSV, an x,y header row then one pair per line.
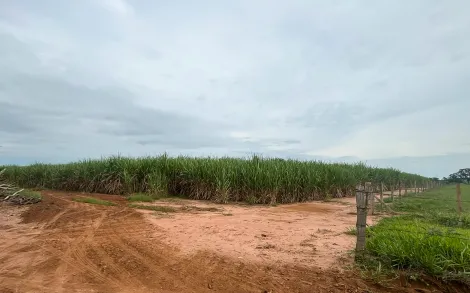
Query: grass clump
x,y
92,200
351,231
163,209
417,245
31,194
199,209
140,197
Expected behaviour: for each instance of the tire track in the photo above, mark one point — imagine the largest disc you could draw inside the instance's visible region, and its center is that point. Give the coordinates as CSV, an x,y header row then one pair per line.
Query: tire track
x,y
78,247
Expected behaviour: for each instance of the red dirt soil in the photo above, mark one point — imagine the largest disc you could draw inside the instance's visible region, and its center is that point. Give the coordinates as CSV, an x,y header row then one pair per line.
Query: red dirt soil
x,y
60,245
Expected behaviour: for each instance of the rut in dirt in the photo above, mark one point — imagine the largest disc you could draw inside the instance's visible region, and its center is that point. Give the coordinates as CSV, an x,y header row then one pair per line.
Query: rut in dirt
x,y
64,246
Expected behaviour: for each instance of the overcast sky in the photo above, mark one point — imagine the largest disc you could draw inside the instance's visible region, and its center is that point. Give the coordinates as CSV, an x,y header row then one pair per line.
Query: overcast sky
x,y
387,82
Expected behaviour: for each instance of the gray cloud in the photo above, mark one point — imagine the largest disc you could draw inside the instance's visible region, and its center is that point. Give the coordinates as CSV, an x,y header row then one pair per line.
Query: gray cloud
x,y
45,107
308,79
14,119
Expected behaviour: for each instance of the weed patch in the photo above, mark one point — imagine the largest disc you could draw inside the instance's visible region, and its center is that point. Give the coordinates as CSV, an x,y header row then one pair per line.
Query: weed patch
x,y
140,197
31,194
92,200
163,209
199,209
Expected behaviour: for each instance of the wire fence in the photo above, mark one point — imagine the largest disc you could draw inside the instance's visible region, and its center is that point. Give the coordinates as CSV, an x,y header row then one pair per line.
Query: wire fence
x,y
447,220
439,199
431,233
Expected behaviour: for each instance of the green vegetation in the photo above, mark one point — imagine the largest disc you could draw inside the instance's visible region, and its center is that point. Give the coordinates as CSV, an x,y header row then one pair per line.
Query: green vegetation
x,y
461,176
140,197
163,209
31,194
199,209
442,200
255,180
430,237
92,200
351,231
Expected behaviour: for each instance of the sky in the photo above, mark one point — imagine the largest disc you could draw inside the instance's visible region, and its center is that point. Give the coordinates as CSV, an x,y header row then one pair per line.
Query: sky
x,y
383,82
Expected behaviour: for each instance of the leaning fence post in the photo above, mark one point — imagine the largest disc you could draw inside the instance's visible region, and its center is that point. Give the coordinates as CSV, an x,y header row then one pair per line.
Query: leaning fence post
x,y
361,204
399,189
459,203
459,199
381,195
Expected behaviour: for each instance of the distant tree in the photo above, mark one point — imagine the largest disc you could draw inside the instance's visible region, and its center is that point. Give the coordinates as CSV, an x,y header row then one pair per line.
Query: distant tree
x,y
464,174
461,176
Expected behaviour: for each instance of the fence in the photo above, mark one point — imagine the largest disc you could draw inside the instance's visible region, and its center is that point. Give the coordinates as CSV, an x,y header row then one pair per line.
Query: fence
x,y
427,228
367,197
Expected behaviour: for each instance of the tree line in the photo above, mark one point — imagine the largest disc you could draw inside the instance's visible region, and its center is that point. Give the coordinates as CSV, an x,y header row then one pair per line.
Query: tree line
x,y
461,176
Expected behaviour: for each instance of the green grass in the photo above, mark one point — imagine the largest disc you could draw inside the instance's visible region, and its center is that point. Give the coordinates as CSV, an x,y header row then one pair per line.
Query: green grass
x,y
417,245
351,231
163,209
443,200
92,200
199,209
430,237
255,180
140,197
31,194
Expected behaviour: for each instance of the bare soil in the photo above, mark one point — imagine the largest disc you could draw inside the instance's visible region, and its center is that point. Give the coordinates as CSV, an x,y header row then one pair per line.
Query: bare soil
x,y
60,245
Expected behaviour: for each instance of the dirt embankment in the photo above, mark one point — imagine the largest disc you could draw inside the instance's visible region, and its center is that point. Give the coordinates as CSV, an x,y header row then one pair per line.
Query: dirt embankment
x,y
63,246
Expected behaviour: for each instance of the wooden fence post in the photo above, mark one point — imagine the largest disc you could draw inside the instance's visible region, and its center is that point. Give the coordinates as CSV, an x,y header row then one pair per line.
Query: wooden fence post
x,y
392,191
415,188
370,190
361,223
399,189
459,199
381,196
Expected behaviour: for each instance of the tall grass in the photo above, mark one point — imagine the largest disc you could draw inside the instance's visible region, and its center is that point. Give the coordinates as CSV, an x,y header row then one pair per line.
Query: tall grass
x,y
417,244
263,180
429,237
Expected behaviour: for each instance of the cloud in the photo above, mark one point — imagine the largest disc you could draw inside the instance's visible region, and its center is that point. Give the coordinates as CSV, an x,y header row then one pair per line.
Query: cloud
x,y
308,79
120,7
63,114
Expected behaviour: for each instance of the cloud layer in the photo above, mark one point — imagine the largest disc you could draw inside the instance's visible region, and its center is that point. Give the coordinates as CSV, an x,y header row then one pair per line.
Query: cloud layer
x,y
306,79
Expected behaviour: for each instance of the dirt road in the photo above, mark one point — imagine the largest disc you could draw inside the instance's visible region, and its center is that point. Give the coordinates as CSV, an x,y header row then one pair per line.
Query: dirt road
x,y
63,246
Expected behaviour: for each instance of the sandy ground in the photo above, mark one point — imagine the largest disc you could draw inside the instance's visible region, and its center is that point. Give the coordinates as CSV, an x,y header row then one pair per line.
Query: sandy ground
x,y
63,246
309,234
